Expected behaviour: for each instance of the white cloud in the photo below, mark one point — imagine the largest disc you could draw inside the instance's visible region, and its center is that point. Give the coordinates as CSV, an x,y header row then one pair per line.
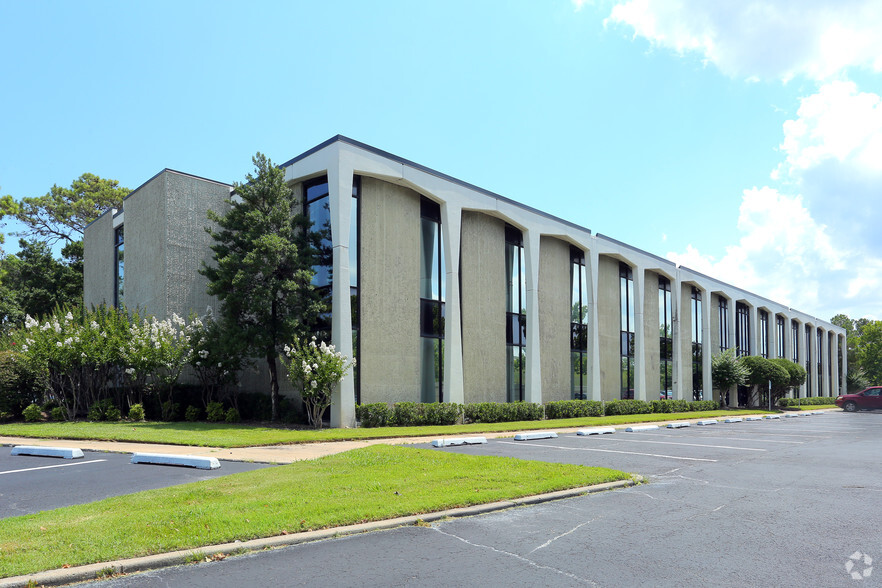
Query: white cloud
x,y
820,251
771,39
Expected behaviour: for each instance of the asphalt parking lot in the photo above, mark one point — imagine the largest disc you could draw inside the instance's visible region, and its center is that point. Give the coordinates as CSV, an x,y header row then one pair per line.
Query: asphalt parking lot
x,y
32,484
769,503
658,451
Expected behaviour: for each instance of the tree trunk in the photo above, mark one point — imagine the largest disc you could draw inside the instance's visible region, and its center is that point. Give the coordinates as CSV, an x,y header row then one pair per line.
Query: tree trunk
x,y
274,385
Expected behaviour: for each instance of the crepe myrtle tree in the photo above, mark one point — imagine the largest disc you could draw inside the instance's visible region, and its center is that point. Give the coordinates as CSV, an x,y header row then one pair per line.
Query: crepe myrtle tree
x,y
264,249
317,368
727,370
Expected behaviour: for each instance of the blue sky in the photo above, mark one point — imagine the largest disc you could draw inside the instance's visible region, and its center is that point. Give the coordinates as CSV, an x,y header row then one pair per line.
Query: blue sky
x,y
741,139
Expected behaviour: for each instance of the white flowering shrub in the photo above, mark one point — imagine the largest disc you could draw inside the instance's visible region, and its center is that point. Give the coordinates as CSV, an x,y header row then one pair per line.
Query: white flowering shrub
x,y
216,361
317,367
88,354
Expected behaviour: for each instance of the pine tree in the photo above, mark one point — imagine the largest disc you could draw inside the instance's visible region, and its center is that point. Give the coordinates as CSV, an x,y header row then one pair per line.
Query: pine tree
x,y
264,251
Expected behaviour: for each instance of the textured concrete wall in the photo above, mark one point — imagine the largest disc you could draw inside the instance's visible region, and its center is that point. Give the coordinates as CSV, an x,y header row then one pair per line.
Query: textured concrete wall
x,y
651,333
389,292
554,318
187,244
146,236
98,262
685,342
715,324
483,285
609,328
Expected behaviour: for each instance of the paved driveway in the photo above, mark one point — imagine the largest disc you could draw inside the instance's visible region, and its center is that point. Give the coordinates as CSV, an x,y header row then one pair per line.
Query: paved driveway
x,y
772,503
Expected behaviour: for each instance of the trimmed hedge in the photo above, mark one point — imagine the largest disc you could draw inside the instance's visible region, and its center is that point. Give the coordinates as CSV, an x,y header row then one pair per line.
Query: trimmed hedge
x,y
814,400
503,412
569,409
417,414
410,414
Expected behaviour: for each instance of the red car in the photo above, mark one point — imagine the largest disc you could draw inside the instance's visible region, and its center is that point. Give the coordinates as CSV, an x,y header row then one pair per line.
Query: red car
x,y
864,400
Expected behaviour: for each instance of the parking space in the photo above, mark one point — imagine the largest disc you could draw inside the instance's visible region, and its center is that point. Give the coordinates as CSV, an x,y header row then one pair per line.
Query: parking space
x,y
32,484
656,452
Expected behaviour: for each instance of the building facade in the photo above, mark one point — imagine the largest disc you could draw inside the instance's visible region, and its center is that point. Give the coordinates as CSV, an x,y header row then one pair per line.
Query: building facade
x,y
447,292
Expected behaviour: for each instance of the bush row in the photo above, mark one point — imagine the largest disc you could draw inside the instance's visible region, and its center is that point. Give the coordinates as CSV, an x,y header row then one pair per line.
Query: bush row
x,y
806,401
404,414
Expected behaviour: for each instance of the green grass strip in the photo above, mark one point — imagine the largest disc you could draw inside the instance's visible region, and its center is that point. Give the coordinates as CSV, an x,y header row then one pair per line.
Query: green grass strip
x,y
227,435
370,484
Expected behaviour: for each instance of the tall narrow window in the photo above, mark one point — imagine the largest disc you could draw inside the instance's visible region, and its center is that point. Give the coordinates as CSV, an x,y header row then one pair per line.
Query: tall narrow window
x,y
354,277
578,325
808,360
626,299
819,355
665,340
516,313
742,329
119,266
764,334
794,335
697,368
316,207
724,324
431,302
779,323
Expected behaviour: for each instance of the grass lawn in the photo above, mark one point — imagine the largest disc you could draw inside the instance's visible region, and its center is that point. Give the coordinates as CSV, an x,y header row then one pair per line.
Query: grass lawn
x,y
226,435
369,484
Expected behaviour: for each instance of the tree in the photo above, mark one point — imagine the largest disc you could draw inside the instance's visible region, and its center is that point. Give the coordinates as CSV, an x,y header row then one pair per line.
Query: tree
x,y
869,351
796,376
263,255
761,371
63,213
727,370
35,283
8,207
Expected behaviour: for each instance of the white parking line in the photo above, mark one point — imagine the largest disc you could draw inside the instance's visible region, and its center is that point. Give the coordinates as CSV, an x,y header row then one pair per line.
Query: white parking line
x,y
609,451
61,465
678,443
703,436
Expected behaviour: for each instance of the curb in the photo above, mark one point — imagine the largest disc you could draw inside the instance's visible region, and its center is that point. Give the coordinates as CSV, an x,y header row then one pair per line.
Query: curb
x,y
174,558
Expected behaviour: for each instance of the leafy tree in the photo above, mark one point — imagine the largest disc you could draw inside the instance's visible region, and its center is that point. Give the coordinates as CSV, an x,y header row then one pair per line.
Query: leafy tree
x,y
8,207
869,351
727,370
35,283
796,376
63,213
761,371
262,272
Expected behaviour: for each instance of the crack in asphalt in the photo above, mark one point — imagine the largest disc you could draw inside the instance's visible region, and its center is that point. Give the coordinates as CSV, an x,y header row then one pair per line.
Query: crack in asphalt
x,y
526,560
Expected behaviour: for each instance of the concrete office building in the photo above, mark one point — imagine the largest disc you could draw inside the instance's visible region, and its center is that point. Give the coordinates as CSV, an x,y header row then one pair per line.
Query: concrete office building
x,y
447,292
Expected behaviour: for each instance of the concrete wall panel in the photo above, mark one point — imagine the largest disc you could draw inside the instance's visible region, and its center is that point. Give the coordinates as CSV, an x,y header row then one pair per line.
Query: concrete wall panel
x,y
483,307
609,328
98,262
651,334
146,235
554,318
389,291
187,244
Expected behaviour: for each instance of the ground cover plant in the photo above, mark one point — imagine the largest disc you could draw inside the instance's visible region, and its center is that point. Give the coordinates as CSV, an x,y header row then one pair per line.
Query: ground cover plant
x,y
369,484
238,435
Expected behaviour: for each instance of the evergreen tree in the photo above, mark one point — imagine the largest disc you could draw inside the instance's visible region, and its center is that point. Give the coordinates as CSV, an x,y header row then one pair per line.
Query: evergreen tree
x,y
264,249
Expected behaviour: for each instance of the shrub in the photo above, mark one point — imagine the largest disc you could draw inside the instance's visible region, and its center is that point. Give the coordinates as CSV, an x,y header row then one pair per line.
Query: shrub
x,y
376,414
192,413
503,412
702,405
20,384
569,409
317,367
628,406
215,412
58,414
232,416
170,410
32,413
813,401
136,412
103,410
670,405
